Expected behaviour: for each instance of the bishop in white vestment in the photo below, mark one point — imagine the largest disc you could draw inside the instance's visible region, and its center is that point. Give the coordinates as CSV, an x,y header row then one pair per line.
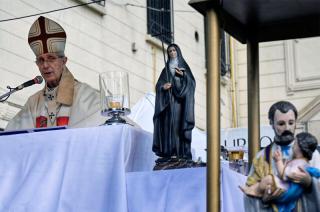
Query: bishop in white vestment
x,y
64,101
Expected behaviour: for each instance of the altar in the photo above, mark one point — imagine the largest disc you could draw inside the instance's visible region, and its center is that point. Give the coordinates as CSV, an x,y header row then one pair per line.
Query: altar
x,y
106,168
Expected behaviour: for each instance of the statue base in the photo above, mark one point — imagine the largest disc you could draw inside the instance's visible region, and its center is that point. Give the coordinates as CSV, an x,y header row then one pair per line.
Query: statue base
x,y
176,163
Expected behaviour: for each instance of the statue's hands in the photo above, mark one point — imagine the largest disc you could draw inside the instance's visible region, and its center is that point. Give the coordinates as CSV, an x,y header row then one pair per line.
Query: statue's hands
x,y
301,176
167,86
269,196
179,71
268,190
277,155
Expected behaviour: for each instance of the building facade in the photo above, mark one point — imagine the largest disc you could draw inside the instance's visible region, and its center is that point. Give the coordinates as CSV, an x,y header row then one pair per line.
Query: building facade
x,y
289,70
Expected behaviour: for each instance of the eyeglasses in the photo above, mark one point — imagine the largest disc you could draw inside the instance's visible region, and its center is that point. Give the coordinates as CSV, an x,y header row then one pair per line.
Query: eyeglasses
x,y
49,60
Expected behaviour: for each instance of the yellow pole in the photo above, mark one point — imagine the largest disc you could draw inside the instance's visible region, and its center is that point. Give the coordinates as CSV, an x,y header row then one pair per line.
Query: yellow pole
x,y
253,98
213,112
233,86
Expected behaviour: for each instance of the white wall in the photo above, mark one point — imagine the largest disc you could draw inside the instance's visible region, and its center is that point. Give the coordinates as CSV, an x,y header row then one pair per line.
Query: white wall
x,y
281,62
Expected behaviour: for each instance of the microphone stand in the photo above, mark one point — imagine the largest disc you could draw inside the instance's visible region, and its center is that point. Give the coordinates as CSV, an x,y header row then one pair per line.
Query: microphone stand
x,y
12,90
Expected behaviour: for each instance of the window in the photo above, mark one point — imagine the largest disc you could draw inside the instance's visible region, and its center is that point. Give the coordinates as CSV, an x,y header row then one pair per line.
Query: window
x,y
302,64
225,61
225,54
159,19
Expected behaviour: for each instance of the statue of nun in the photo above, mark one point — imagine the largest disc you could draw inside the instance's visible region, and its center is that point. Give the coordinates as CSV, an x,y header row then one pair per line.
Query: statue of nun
x,y
174,108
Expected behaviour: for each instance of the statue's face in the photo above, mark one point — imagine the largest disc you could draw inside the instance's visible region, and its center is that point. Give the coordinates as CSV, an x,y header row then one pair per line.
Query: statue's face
x,y
172,52
284,125
296,150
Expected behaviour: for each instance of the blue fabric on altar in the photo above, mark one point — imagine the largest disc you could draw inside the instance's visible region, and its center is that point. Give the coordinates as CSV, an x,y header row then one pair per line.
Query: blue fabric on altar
x,y
105,169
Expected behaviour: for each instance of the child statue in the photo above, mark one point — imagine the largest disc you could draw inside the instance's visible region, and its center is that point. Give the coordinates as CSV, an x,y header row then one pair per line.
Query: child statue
x,y
303,148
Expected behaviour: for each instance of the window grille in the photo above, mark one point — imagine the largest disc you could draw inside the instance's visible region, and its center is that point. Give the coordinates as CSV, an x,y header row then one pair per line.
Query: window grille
x,y
159,19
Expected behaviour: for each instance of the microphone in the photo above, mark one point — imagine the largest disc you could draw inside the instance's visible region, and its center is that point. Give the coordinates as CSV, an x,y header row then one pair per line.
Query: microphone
x,y
36,80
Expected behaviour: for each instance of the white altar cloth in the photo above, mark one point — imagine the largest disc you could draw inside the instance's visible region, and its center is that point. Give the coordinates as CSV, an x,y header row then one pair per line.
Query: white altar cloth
x,y
72,170
167,190
231,196
181,190
105,168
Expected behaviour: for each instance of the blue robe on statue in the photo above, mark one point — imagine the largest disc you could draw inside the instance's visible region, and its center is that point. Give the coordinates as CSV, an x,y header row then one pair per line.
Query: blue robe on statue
x,y
287,201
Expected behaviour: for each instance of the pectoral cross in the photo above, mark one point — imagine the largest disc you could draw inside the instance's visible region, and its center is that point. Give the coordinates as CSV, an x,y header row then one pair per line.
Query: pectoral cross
x,y
50,97
51,115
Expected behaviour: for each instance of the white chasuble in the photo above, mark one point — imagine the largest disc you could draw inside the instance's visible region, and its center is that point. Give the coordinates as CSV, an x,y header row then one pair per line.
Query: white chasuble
x,y
72,103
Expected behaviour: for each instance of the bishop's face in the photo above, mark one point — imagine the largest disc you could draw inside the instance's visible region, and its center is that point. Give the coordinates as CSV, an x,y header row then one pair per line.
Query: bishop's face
x,y
284,125
51,68
172,52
